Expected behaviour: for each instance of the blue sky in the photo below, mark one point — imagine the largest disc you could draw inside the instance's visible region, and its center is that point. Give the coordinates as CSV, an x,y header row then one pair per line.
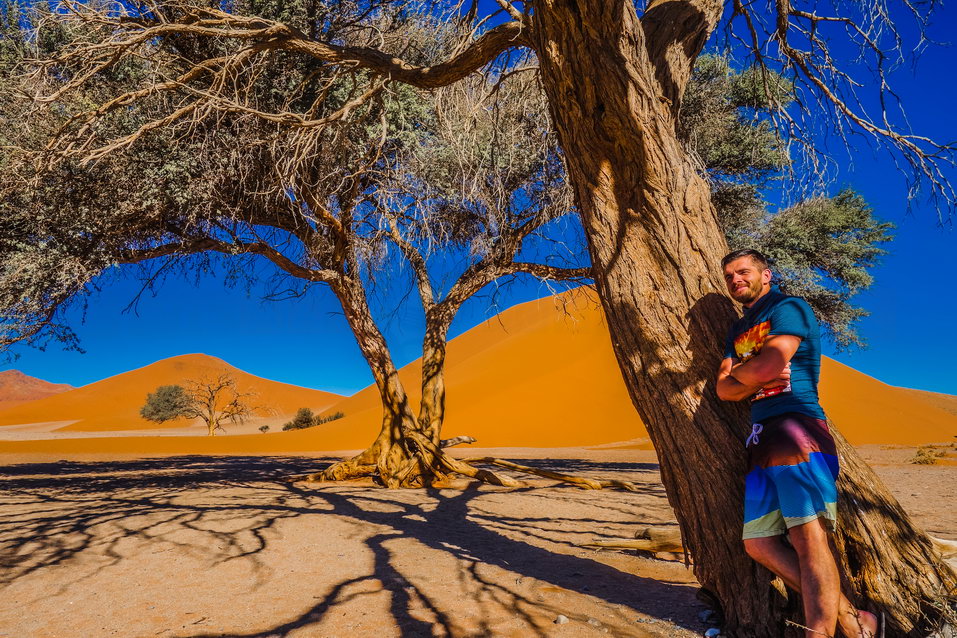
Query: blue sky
x,y
913,303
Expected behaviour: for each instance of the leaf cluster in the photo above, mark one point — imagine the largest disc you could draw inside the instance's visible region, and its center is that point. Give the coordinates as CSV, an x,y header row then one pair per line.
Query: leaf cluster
x,y
820,248
166,403
306,419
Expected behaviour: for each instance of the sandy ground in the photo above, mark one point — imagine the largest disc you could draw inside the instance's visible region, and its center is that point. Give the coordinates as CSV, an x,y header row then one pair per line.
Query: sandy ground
x,y
217,546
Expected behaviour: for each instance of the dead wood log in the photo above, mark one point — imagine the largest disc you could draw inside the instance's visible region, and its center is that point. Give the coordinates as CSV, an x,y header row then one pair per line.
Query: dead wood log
x,y
581,481
457,440
641,544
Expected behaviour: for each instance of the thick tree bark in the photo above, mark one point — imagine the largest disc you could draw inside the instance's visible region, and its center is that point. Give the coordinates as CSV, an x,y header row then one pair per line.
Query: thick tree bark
x,y
395,456
432,407
613,84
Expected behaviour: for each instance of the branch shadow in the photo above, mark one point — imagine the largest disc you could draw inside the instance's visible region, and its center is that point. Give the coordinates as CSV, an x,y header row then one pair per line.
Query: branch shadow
x,y
60,512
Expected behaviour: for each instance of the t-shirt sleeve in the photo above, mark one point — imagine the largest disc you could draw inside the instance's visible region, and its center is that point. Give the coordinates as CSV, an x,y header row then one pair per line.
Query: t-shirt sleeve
x,y
729,352
793,316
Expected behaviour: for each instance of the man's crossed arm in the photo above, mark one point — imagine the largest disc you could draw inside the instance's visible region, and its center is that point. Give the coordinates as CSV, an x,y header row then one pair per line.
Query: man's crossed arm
x,y
737,381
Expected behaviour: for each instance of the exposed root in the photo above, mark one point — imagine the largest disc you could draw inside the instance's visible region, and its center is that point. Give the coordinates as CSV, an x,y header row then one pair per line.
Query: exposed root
x,y
346,470
947,550
462,467
429,465
456,440
642,544
649,539
581,481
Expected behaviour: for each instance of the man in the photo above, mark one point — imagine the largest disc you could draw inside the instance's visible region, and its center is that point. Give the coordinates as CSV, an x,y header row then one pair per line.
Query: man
x,y
773,358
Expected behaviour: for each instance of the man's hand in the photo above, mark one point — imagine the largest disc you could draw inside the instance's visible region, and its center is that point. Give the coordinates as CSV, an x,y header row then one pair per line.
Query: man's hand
x,y
728,387
783,379
769,364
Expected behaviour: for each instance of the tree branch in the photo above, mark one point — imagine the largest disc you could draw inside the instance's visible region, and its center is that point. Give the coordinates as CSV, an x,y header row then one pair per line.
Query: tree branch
x,y
208,244
544,271
675,33
271,35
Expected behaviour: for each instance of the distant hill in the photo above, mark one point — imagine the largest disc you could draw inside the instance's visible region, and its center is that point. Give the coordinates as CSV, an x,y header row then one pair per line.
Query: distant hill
x,y
114,403
17,388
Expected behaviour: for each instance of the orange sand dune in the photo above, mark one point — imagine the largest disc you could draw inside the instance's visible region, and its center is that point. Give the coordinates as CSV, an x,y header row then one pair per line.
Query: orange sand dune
x,y
17,388
542,374
946,402
114,403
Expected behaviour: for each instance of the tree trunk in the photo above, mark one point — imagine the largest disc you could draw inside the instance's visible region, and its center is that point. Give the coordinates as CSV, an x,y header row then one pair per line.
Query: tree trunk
x,y
395,456
656,247
432,407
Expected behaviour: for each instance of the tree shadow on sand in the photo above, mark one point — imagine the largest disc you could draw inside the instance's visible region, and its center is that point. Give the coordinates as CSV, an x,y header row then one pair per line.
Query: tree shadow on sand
x,y
59,511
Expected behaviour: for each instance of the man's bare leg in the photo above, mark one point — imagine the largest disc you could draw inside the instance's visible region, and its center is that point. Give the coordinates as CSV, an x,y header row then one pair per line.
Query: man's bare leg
x,y
785,563
820,580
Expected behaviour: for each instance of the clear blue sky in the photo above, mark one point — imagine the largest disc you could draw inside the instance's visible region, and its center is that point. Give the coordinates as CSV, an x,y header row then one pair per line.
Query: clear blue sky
x,y
913,303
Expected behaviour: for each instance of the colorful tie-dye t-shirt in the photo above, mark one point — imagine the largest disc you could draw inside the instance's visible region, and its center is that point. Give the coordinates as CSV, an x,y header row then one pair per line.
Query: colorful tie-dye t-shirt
x,y
778,314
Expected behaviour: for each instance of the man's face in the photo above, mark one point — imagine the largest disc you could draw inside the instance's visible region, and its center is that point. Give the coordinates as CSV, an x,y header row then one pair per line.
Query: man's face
x,y
746,280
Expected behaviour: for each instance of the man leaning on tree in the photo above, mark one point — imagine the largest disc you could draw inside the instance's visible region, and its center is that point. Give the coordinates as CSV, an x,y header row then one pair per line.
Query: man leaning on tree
x,y
773,358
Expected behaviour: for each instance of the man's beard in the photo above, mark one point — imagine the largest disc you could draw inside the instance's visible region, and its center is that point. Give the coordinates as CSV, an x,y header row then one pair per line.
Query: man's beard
x,y
749,294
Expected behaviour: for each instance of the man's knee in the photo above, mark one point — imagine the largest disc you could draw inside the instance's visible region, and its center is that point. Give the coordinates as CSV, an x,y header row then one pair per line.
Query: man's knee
x,y
760,549
809,538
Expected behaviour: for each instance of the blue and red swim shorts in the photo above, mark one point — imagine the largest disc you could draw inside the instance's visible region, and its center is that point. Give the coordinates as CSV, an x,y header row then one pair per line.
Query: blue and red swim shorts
x,y
794,468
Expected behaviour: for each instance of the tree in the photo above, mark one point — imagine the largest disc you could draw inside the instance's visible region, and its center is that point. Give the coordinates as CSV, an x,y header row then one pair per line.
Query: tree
x,y
304,419
328,203
215,401
614,83
168,402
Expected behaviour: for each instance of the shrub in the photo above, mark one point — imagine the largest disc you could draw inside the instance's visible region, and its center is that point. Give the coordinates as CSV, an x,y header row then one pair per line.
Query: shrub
x,y
927,455
263,428
166,403
332,417
306,419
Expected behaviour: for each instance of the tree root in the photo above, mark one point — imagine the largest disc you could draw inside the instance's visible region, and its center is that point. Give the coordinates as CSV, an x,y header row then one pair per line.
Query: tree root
x,y
642,544
456,440
342,471
462,467
649,539
581,481
434,464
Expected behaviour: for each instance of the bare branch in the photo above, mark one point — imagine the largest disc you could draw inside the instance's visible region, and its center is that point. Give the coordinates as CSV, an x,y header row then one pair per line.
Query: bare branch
x,y
801,45
544,271
205,244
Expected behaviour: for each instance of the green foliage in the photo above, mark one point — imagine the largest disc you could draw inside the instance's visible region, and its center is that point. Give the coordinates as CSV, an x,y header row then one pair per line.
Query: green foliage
x,y
820,248
721,119
306,419
335,416
263,428
168,402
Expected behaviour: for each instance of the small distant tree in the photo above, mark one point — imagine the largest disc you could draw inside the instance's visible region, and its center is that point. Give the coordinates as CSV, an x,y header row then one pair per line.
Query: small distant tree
x,y
168,402
304,418
215,401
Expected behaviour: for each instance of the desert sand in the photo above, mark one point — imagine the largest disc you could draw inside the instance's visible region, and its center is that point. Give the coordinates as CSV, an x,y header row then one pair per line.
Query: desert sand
x,y
17,388
195,546
113,404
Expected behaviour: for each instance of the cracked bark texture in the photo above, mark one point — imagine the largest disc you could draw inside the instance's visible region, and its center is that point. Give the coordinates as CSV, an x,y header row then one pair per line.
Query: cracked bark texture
x,y
614,83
